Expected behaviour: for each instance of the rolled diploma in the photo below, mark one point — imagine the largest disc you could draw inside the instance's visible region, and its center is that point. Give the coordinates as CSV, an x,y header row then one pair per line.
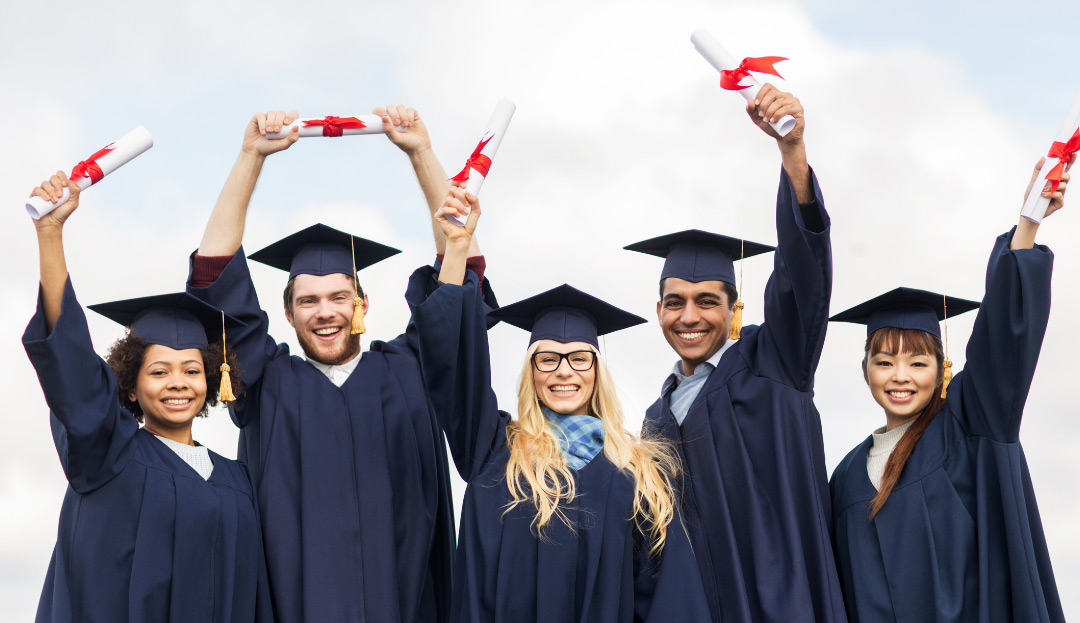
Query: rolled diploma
x,y
496,128
123,151
373,123
722,60
1035,205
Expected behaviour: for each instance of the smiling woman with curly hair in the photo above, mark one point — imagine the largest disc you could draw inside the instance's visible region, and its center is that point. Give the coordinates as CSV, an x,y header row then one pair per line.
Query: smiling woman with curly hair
x,y
154,526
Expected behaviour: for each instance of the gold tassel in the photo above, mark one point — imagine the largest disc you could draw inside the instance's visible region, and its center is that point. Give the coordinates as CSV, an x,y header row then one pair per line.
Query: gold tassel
x,y
225,393
736,321
358,317
736,317
947,377
357,302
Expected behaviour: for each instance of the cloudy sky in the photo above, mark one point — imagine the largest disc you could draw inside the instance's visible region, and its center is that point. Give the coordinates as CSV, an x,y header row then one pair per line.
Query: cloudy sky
x,y
923,122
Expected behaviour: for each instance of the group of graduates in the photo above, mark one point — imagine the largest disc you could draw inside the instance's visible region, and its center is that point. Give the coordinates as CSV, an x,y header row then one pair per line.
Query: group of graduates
x,y
339,506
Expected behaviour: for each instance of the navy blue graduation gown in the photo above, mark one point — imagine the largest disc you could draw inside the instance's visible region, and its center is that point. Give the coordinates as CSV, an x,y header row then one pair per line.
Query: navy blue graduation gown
x,y
352,482
142,536
598,573
757,498
960,538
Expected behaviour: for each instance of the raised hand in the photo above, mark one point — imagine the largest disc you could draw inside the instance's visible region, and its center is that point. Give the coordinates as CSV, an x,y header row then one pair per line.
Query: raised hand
x,y
770,105
255,140
404,128
51,190
1057,198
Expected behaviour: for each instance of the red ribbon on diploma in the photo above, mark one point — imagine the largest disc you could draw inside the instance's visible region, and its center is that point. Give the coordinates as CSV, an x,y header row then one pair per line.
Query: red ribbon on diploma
x,y
477,161
89,168
1062,151
332,126
730,78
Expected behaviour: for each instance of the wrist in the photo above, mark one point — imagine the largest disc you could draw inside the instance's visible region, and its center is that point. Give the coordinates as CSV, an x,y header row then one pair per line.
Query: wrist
x,y
251,154
420,153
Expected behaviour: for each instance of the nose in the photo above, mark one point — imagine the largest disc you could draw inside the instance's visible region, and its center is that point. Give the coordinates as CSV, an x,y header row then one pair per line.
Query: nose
x,y
178,380
564,368
324,310
690,314
900,373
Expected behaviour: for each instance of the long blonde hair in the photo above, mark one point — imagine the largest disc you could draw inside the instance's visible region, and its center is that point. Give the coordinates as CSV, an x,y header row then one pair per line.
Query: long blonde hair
x,y
537,472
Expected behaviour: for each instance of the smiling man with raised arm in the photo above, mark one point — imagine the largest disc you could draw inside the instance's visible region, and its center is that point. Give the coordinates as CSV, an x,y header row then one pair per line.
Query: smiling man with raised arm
x,y
348,459
741,411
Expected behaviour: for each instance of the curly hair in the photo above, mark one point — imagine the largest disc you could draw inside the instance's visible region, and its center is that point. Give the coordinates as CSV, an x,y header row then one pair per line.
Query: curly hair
x,y
126,357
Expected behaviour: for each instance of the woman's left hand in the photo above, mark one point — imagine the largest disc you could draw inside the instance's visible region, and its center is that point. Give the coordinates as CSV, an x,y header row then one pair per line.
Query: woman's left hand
x,y
457,203
1057,198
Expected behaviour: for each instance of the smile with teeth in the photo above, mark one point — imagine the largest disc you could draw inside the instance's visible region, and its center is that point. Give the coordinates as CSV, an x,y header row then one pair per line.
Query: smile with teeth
x,y
177,401
563,389
900,393
691,336
327,331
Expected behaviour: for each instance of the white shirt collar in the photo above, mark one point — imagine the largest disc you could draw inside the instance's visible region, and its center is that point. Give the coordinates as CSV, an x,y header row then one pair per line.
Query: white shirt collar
x,y
339,373
713,361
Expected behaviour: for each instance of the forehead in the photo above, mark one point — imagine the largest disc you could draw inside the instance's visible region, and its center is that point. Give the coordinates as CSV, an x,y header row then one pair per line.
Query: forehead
x,y
157,352
559,347
321,285
673,286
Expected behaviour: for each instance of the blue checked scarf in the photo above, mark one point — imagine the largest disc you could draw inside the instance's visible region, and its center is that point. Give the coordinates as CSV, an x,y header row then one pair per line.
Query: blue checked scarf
x,y
581,437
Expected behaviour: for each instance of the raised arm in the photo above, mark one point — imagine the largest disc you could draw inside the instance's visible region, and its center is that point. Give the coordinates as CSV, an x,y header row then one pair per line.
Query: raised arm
x,y
798,291
1005,342
225,229
90,430
407,130
451,332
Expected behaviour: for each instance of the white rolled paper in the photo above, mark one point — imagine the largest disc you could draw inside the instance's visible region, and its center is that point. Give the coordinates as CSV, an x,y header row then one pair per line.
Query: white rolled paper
x,y
496,129
1035,204
313,126
120,153
722,60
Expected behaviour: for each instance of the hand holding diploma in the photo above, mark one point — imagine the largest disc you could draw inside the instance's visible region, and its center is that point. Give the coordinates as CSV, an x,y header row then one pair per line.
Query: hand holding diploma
x,y
479,162
736,76
1062,152
94,169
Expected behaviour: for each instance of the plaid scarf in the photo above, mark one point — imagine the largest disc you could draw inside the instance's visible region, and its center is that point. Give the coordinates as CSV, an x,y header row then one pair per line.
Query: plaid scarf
x,y
581,437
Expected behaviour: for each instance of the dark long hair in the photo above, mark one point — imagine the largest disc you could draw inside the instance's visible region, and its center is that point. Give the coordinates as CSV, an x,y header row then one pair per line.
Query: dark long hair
x,y
893,340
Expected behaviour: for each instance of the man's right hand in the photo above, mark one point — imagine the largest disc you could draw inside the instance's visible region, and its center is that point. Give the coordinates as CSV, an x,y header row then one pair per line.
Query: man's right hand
x,y
255,140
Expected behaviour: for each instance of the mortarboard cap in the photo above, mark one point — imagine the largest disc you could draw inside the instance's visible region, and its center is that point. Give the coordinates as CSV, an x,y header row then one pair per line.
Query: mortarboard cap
x,y
906,308
179,321
322,250
694,255
566,314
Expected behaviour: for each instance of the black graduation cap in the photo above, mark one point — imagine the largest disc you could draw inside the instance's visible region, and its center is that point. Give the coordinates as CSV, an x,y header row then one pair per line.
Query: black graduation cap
x,y
322,250
179,320
566,314
906,308
695,255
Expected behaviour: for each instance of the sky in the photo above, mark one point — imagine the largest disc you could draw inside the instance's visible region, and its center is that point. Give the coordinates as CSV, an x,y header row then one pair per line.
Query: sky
x,y
923,123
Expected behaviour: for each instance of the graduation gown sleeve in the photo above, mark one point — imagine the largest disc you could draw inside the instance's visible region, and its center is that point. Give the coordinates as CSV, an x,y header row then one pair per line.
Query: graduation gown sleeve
x,y
91,431
797,293
234,292
452,342
1006,339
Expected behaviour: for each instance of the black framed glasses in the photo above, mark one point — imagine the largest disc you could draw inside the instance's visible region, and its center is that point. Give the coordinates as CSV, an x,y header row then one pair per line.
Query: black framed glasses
x,y
580,360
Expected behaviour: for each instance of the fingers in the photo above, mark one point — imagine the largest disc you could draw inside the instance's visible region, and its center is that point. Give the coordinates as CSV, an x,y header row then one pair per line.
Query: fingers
x,y
774,104
52,189
260,119
291,116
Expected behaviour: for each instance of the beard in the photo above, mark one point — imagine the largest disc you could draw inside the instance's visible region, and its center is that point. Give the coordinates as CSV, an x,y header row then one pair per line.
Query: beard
x,y
333,354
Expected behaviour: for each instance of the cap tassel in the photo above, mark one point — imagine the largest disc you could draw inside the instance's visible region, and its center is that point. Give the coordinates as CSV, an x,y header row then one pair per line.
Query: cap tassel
x,y
357,302
736,321
225,391
947,364
736,317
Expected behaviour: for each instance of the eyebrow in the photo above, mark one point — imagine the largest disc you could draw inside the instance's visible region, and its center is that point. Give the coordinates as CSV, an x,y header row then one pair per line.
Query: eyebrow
x,y
166,363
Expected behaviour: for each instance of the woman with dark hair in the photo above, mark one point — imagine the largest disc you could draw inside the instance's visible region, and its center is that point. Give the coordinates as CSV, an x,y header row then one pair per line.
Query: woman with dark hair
x,y
154,527
568,516
935,517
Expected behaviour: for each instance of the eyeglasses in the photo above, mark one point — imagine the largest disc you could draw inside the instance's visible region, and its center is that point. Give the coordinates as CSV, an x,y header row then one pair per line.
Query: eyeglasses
x,y
580,360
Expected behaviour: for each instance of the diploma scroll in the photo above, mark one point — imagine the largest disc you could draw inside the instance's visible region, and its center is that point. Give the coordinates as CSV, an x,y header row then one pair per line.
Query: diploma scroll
x,y
96,167
479,163
723,61
334,126
1064,144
